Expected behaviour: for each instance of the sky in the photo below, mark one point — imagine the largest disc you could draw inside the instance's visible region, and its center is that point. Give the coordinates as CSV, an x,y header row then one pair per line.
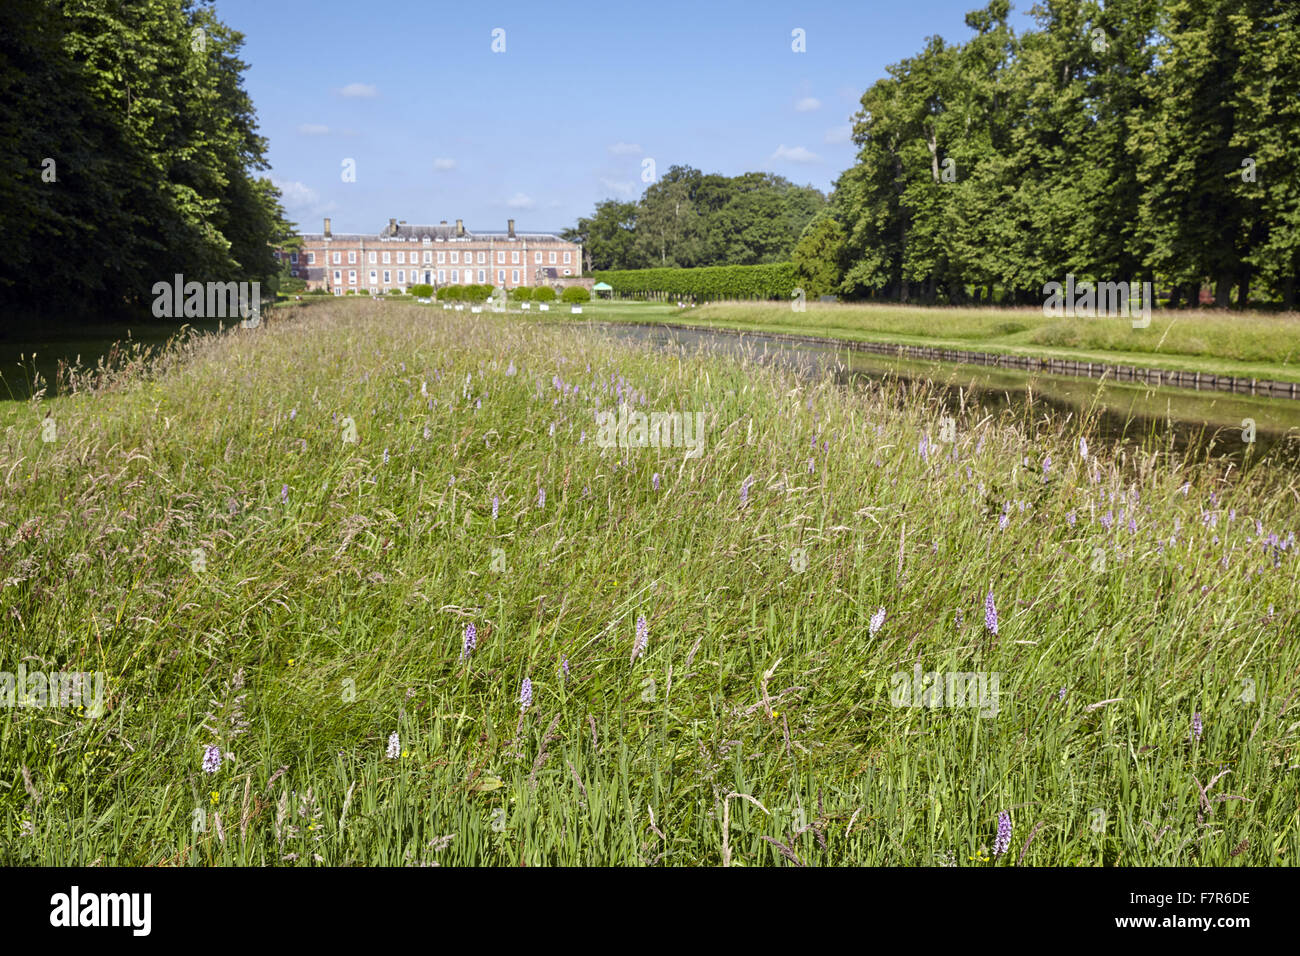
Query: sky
x,y
537,111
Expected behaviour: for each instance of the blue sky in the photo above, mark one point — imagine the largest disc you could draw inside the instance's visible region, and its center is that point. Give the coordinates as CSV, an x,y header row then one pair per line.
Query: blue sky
x,y
441,127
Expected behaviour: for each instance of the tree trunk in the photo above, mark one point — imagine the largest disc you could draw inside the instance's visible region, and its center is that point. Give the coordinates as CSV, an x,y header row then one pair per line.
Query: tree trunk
x,y
1288,293
1243,289
1223,291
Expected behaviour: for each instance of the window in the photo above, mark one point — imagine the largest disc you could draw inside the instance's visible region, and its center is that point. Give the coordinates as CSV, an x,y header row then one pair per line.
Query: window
x,y
338,291
374,259
352,277
501,258
566,272
372,276
388,257
442,258
293,257
514,257
338,275
568,257
552,258
442,276
352,258
537,258
337,258
311,258
388,277
401,258
455,274
276,253
428,257
514,276
501,276
482,258
401,276
482,276
455,257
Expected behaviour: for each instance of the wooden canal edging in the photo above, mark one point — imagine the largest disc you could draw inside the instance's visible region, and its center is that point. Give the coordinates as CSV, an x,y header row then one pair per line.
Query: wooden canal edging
x,y
1199,381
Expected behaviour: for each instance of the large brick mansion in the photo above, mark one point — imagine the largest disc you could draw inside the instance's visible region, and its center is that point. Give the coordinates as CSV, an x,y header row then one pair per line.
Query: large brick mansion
x,y
403,255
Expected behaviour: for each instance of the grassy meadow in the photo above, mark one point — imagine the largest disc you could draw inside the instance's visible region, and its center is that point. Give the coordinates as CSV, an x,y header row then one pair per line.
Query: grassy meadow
x,y
270,603
1259,345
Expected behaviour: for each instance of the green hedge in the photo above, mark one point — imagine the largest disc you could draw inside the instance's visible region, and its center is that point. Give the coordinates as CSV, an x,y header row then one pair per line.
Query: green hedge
x,y
776,281
421,290
464,293
575,293
543,293
521,293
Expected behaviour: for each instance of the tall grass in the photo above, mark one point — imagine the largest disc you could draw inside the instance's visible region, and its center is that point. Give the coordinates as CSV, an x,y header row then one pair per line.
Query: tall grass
x,y
329,610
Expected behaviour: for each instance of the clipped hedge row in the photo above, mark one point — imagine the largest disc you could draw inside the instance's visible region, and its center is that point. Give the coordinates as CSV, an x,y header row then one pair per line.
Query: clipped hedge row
x,y
464,293
776,281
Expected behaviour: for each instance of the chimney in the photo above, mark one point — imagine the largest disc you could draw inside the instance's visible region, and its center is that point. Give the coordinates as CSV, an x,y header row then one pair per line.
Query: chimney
x,y
460,228
392,227
511,230
327,227
443,223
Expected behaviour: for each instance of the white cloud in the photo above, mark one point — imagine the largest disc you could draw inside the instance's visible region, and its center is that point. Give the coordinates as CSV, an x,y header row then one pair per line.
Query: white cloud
x,y
620,187
365,90
313,129
839,135
808,104
520,201
442,163
625,149
794,154
301,203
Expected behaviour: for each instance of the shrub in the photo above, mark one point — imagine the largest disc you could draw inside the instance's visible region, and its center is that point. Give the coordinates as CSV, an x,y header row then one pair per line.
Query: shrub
x,y
421,290
543,293
521,293
775,281
575,293
449,293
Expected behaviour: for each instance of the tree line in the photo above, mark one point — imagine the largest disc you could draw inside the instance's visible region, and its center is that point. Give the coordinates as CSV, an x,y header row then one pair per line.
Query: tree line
x,y
130,154
688,218
1125,141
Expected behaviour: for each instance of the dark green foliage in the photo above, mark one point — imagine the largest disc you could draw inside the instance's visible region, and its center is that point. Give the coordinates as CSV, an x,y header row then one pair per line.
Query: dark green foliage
x,y
543,293
575,293
521,293
421,290
691,219
155,157
1108,142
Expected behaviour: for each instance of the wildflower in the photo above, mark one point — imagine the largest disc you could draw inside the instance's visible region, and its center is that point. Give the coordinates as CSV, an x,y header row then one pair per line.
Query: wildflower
x,y
744,492
1002,521
1003,842
1107,520
495,503
427,433
541,497
1196,725
1083,448
525,695
877,621
385,456
564,669
810,466
471,639
957,621
284,494
642,637
293,413
1061,694
1070,519
990,613
654,481
211,759
394,746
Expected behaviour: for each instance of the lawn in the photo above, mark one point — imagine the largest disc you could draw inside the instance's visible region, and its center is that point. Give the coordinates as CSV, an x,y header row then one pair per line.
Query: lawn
x,y
315,649
1246,345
